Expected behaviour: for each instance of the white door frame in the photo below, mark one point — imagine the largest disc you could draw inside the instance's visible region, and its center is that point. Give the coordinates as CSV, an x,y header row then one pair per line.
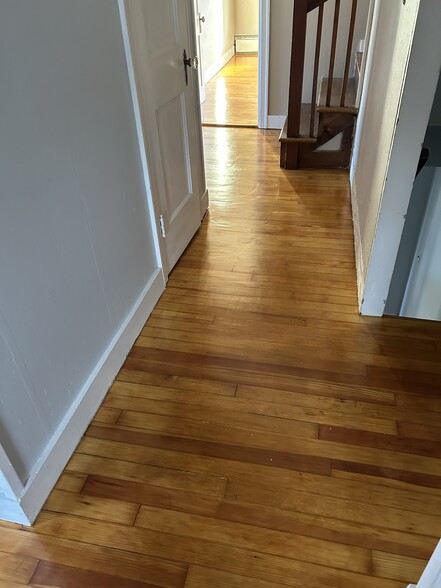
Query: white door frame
x,y
264,51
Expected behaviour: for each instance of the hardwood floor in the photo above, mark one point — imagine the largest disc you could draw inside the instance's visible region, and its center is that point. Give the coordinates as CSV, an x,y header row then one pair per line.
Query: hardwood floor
x,y
231,96
261,434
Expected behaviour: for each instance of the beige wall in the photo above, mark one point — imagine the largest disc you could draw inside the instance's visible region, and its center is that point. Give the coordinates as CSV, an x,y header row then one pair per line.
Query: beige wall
x,y
279,58
217,32
280,47
247,17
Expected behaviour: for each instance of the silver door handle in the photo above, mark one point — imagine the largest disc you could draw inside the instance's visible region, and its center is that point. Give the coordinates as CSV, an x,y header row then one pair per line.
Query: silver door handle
x,y
202,18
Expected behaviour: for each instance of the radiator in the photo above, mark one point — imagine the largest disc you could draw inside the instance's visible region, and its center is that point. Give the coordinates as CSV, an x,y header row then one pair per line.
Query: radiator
x,y
246,43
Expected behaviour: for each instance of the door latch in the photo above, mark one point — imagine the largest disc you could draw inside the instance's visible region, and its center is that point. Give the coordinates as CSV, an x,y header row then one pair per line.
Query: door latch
x,y
162,225
192,62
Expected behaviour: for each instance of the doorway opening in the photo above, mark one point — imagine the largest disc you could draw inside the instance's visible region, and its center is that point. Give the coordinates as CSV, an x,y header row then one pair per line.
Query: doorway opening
x,y
231,45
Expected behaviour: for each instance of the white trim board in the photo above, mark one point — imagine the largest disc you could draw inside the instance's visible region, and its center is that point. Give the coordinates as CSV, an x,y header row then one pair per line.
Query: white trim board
x,y
11,511
359,264
10,484
69,433
211,71
264,49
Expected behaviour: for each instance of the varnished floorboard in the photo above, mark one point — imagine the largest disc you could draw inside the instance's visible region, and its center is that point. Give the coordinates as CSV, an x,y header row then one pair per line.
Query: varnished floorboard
x,y
231,95
261,434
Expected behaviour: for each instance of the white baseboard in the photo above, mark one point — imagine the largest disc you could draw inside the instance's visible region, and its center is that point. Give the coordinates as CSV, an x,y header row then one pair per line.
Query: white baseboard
x,y
11,511
211,71
71,430
359,264
276,121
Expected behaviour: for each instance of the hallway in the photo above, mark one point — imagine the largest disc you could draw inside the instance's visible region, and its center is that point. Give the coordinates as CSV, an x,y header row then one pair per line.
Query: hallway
x,y
261,434
231,96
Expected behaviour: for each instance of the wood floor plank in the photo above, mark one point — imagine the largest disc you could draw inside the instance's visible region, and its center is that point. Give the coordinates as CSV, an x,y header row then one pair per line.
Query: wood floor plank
x,y
177,382
248,537
207,485
383,441
16,568
84,555
107,415
105,509
390,518
51,574
247,426
70,482
397,567
199,577
147,494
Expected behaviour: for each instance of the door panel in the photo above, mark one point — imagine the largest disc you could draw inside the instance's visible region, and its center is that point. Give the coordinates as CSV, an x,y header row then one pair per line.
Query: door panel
x,y
159,32
175,155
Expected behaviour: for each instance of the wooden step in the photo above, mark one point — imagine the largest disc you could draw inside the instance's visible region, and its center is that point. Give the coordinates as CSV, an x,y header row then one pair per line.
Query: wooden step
x,y
337,84
305,122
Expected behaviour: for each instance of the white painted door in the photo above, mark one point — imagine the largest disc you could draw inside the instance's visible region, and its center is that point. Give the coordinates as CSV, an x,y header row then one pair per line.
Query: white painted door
x,y
200,20
160,32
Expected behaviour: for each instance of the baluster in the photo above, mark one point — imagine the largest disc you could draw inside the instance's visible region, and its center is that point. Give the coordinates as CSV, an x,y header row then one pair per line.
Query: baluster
x,y
349,52
318,43
333,50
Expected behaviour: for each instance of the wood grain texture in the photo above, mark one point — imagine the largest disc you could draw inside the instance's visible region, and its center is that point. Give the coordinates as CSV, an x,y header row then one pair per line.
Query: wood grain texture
x,y
231,95
261,433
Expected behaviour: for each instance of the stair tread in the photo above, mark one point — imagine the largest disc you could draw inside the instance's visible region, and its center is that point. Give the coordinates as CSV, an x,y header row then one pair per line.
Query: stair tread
x,y
337,85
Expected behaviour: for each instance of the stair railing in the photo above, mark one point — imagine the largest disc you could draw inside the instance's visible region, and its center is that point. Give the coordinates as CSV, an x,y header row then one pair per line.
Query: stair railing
x,y
298,48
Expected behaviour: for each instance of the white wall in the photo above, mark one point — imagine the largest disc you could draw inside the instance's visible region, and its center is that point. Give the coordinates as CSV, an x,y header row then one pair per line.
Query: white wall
x,y
217,39
394,113
247,17
76,248
423,294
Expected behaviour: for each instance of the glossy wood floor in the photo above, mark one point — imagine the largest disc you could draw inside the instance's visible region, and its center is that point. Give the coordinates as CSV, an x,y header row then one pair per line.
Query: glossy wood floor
x,y
231,96
261,433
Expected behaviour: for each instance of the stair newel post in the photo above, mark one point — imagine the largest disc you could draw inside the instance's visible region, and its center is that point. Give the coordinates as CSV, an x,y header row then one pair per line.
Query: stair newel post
x,y
297,66
318,44
349,52
333,51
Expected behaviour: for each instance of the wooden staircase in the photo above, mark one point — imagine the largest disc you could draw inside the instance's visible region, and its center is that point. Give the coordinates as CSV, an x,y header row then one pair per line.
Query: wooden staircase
x,y
319,134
